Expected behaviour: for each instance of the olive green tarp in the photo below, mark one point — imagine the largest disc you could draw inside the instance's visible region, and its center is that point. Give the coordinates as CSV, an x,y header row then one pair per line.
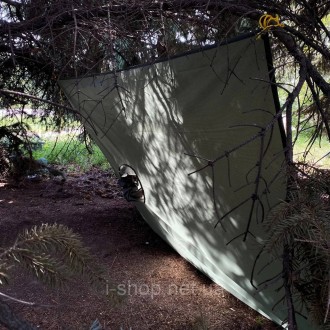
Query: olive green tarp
x,y
168,119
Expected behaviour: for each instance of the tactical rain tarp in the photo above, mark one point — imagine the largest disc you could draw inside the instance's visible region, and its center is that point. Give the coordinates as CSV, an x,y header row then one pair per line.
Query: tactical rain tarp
x,y
168,119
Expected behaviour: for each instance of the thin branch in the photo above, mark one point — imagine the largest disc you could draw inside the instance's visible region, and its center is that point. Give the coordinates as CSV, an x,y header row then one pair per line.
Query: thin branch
x,y
232,210
287,274
325,118
214,200
31,304
32,97
302,59
55,104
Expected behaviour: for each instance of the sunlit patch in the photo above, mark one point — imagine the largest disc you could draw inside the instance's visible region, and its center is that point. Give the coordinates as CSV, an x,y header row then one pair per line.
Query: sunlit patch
x,y
10,202
2,184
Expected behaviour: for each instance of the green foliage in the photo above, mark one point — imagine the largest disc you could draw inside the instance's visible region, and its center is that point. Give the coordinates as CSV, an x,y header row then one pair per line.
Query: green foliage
x,y
31,139
70,151
303,224
316,154
53,254
17,139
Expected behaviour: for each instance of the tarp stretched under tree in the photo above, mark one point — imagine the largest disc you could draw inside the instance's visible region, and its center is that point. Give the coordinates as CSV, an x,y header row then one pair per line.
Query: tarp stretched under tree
x,y
211,111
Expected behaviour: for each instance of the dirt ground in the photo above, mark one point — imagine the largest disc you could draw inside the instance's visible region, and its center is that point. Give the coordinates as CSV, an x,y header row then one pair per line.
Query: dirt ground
x,y
162,290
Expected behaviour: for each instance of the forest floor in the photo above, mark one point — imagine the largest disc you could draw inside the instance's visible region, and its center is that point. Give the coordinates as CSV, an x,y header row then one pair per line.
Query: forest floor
x,y
162,290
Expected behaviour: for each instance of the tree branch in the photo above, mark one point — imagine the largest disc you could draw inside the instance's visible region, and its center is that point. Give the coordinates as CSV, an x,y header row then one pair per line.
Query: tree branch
x,y
287,274
292,47
31,304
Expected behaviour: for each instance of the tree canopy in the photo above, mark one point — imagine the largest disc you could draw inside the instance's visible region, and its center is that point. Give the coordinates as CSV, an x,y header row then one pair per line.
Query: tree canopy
x,y
42,42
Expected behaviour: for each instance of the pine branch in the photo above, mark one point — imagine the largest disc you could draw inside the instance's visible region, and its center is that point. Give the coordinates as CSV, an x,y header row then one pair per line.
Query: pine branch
x,y
28,303
4,278
300,227
53,253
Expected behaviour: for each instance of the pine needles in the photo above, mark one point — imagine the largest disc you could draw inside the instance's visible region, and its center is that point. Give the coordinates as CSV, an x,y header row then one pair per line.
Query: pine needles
x,y
52,253
302,224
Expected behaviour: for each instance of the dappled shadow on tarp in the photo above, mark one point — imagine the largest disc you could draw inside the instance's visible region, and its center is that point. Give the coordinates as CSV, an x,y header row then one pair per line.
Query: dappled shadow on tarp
x,y
169,119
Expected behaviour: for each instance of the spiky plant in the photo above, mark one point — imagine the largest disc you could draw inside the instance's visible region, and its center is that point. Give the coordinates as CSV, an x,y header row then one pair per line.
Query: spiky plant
x,y
301,225
53,254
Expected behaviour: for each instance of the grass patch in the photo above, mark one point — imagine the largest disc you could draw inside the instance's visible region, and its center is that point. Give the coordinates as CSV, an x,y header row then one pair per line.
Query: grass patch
x,y
319,154
67,150
62,148
70,152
